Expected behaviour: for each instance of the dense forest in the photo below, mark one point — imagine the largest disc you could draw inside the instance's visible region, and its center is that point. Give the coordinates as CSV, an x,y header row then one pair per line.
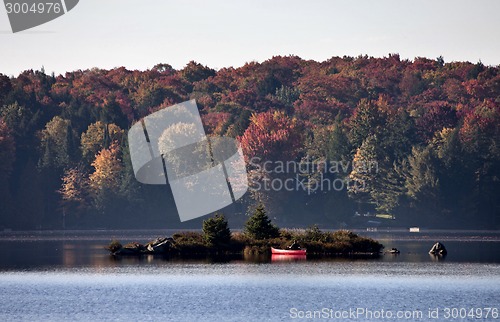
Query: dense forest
x,y
430,129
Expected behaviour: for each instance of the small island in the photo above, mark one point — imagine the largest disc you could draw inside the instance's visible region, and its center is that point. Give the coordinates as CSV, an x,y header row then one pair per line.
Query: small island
x,y
257,238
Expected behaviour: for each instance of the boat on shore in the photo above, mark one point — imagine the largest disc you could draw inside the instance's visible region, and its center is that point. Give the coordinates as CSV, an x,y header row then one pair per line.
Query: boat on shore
x,y
288,251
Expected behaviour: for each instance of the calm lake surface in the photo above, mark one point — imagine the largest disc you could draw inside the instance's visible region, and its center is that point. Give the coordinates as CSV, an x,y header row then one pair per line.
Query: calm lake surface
x,y
60,276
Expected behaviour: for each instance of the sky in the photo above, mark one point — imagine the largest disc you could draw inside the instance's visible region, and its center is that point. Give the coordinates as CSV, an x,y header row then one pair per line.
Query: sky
x,y
139,34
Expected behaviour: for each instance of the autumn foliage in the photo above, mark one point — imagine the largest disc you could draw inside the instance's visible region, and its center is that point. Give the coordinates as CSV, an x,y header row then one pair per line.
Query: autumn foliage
x,y
272,136
431,126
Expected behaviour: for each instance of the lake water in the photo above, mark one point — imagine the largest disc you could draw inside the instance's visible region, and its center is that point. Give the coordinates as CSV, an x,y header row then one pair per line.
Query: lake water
x,y
60,276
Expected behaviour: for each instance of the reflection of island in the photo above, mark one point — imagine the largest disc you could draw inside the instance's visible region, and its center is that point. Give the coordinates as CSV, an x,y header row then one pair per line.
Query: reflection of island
x,y
72,250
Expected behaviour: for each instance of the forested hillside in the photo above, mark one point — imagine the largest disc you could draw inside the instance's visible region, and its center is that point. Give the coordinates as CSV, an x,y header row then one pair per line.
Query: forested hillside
x,y
430,126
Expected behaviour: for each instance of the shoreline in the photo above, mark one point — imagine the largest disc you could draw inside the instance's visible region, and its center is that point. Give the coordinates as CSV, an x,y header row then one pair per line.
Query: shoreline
x,y
148,234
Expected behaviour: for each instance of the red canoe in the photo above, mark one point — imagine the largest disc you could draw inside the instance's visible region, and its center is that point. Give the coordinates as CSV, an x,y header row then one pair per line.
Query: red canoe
x,y
288,251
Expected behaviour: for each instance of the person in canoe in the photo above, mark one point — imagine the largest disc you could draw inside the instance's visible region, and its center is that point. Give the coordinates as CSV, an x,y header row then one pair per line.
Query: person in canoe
x,y
294,246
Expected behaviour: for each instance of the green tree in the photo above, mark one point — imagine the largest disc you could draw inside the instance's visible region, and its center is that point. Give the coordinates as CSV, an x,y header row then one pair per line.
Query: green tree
x,y
56,149
54,144
374,179
367,120
422,184
195,72
21,121
338,147
216,231
5,87
259,226
8,148
389,189
31,207
329,142
365,169
456,176
287,96
130,189
7,157
421,176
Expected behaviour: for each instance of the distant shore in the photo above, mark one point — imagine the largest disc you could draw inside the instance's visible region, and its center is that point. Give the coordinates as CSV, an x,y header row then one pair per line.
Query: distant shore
x,y
128,235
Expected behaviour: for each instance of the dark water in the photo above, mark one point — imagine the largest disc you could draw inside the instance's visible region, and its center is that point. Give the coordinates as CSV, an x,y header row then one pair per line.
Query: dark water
x,y
55,276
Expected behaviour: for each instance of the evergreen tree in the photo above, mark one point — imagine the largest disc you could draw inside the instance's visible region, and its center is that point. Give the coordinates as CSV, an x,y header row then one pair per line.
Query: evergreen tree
x,y
55,144
367,120
216,231
422,182
259,226
7,158
373,179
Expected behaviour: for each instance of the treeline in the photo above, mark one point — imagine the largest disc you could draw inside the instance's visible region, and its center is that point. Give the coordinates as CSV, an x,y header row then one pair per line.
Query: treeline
x,y
432,129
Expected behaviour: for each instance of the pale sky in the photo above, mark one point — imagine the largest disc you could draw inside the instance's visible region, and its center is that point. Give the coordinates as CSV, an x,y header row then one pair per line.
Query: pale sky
x,y
138,34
